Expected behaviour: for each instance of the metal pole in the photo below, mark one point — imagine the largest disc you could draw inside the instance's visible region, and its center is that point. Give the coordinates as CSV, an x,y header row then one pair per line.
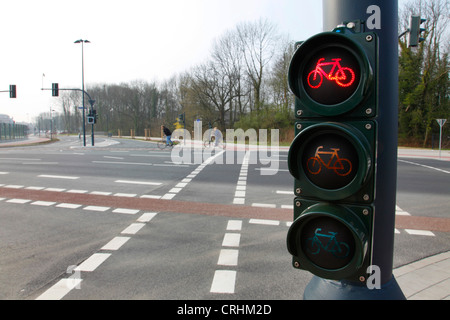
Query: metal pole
x,y
381,18
82,87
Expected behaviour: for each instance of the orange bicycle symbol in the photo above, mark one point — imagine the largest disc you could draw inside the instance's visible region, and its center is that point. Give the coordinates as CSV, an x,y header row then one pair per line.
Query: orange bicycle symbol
x,y
341,166
344,77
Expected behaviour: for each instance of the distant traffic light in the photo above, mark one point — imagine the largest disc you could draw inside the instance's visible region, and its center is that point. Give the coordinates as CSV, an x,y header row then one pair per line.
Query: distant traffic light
x,y
333,156
55,90
12,91
414,31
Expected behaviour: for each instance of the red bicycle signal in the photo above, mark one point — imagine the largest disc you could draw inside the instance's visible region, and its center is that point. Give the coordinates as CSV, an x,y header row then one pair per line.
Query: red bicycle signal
x,y
343,76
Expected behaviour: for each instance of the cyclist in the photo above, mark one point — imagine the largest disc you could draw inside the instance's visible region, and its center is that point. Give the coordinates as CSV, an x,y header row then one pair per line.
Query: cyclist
x,y
217,136
168,135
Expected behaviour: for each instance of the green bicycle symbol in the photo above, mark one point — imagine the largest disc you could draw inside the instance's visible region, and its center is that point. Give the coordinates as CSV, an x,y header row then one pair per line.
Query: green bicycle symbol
x,y
338,249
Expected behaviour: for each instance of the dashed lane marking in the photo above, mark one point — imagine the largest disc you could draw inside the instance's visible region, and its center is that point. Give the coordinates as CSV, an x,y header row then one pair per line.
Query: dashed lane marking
x,y
148,183
18,201
93,262
126,211
58,177
96,208
133,228
115,244
68,205
64,286
43,203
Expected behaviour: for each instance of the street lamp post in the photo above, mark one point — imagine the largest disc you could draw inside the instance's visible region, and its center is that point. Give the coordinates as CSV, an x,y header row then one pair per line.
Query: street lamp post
x,y
51,123
82,75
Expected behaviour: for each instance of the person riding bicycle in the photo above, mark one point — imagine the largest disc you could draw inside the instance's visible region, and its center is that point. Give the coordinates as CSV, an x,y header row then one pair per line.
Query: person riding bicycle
x,y
168,135
217,136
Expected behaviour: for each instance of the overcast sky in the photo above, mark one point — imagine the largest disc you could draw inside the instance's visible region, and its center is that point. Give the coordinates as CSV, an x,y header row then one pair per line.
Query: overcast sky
x,y
130,40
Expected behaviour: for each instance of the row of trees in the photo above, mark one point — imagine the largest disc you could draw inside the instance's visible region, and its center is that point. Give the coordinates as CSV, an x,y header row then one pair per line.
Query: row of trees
x,y
424,75
243,84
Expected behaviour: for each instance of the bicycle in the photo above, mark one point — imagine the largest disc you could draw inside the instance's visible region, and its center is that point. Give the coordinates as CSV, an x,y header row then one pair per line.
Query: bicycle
x,y
342,167
212,143
162,144
338,249
344,77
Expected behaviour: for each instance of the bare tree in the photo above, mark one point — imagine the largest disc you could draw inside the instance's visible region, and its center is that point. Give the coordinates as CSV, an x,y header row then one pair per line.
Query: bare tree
x,y
258,43
424,71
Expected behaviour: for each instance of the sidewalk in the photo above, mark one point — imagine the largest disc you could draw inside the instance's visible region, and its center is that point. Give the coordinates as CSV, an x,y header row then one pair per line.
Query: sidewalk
x,y
423,153
427,279
23,142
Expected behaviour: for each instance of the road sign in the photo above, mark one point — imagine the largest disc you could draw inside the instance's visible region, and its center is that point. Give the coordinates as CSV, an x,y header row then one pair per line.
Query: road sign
x,y
441,123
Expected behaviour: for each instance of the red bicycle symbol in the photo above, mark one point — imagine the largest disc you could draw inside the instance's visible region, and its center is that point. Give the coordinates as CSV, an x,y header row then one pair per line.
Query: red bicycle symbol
x,y
341,166
344,77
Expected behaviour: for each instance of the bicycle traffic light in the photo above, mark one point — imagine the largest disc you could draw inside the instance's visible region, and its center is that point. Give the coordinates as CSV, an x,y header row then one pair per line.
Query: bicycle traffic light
x,y
333,156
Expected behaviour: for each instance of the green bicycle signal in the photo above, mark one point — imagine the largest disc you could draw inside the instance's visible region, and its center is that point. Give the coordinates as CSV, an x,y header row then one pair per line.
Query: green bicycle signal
x,y
338,249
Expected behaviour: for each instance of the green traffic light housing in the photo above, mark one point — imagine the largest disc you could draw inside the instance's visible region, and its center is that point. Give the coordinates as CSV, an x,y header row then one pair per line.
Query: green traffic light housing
x,y
330,240
414,31
333,161
13,91
55,89
333,73
333,156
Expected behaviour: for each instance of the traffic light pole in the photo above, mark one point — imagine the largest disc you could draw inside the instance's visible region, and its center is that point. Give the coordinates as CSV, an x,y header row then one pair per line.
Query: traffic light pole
x,y
382,19
91,102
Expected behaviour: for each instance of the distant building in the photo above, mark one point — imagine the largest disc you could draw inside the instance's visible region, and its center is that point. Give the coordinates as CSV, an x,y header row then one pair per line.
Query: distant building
x,y
5,119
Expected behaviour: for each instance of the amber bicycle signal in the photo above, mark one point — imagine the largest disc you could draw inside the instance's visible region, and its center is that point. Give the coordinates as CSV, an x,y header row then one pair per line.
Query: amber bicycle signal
x,y
341,166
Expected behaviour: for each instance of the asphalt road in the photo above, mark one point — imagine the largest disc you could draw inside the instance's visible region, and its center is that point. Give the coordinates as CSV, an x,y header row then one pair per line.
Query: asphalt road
x,y
122,220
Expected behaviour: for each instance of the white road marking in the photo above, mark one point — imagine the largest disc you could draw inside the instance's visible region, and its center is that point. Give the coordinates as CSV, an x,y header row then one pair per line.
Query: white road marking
x,y
126,195
265,222
234,225
19,201
93,262
14,186
115,244
285,192
101,193
149,196
400,212
60,289
124,163
224,281
64,286
58,177
147,217
35,188
55,189
148,183
264,205
77,191
43,203
41,163
133,228
68,205
228,257
420,232
96,208
168,196
125,211
424,166
231,240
